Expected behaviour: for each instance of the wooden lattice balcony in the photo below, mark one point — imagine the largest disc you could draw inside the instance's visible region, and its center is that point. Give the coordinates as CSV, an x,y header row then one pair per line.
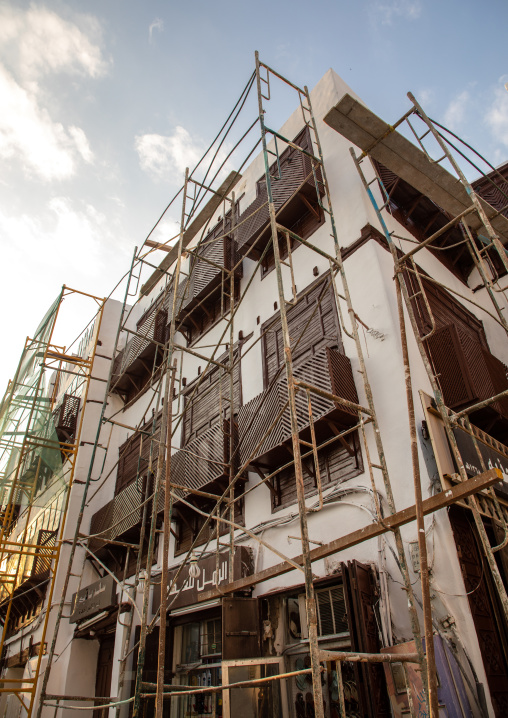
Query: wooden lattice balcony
x,y
295,190
201,463
467,373
66,418
328,370
135,362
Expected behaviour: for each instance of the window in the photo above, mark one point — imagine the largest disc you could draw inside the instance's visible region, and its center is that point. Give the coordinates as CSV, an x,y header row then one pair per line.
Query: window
x,y
457,348
134,456
197,662
331,613
207,397
312,324
201,640
337,463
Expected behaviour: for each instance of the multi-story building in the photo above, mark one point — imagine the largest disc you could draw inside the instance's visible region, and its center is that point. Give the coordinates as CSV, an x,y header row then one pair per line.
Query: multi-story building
x,y
282,536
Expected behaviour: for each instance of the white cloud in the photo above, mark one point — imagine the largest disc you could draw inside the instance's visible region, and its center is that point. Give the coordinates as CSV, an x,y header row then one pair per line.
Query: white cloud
x,y
35,45
496,116
168,229
166,158
39,42
455,112
425,97
77,232
387,12
29,136
67,242
157,24
81,143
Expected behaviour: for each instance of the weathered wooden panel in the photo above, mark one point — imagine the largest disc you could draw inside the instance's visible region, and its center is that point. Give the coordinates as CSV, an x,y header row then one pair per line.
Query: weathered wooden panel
x,y
207,398
255,417
312,324
335,464
240,628
291,176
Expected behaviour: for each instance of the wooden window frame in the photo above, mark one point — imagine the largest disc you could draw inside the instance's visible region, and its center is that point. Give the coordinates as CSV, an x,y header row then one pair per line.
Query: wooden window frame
x,y
274,324
282,497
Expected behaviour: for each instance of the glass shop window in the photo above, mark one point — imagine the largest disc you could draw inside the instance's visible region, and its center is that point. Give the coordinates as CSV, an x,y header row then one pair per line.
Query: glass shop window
x,y
268,700
199,664
201,640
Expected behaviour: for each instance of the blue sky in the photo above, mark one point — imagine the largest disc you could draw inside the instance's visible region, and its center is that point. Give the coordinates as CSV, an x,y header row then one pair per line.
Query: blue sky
x,y
102,105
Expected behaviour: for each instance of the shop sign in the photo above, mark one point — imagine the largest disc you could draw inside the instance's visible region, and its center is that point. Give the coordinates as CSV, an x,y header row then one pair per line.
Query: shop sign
x,y
94,598
493,459
187,589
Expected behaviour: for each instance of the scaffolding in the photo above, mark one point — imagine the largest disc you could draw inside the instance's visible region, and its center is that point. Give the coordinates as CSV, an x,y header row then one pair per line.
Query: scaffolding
x,y
159,355
39,436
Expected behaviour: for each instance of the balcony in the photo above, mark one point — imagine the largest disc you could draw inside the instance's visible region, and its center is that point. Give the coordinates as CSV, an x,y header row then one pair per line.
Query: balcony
x,y
207,272
295,190
201,463
327,369
204,296
120,516
467,374
33,569
66,418
134,364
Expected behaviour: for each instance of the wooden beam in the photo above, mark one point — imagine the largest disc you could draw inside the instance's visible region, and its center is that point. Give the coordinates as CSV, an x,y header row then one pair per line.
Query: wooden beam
x,y
201,219
350,449
364,129
266,481
400,518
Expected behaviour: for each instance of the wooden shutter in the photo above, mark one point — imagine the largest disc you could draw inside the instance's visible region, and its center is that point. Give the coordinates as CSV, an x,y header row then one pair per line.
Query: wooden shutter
x,y
450,367
203,404
104,673
42,561
134,455
128,462
361,596
488,621
240,628
160,325
465,370
323,329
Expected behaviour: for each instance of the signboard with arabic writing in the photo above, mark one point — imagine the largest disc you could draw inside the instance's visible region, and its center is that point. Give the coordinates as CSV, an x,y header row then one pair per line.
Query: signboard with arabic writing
x,y
492,458
93,599
186,589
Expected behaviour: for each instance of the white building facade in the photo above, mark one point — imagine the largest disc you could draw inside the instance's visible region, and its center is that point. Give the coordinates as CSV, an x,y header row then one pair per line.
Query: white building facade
x,y
231,439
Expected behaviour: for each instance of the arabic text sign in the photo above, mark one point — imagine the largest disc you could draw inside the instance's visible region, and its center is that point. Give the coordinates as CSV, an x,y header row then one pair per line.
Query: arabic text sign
x,y
207,579
493,459
94,598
